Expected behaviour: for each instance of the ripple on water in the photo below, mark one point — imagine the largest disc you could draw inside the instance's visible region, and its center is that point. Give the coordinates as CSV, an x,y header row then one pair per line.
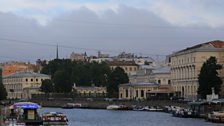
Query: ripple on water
x,y
90,117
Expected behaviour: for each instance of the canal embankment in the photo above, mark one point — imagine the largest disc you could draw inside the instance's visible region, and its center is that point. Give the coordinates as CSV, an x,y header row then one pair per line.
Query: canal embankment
x,y
99,104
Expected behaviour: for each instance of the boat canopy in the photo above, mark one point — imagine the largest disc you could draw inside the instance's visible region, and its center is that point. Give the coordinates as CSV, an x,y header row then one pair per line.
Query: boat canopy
x,y
25,105
216,101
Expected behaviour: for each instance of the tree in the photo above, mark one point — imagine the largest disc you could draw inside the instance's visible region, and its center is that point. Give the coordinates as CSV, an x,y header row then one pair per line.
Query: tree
x,y
47,86
62,82
208,78
3,92
118,76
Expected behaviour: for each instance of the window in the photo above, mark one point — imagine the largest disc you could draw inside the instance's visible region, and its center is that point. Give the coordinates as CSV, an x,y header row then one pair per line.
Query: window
x,y
126,93
126,68
136,93
169,82
31,80
130,68
121,96
26,80
159,81
36,79
142,93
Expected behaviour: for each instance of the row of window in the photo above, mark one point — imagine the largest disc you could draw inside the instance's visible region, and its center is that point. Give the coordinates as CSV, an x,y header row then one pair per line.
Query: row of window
x,y
183,61
20,80
136,93
33,80
168,82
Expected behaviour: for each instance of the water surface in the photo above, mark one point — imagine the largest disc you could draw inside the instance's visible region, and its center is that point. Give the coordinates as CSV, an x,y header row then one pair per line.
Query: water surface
x,y
89,117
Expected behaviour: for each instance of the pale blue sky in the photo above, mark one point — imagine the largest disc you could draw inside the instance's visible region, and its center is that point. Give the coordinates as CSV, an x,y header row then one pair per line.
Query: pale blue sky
x,y
156,27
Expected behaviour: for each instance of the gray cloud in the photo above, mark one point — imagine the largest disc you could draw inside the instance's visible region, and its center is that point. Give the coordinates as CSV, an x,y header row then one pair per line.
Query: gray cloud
x,y
128,29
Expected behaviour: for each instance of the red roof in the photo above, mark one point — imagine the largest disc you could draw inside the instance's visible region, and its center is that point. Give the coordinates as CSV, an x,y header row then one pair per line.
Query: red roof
x,y
218,44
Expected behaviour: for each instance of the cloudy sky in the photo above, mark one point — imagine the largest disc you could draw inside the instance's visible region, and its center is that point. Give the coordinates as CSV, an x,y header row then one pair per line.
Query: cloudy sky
x,y
31,29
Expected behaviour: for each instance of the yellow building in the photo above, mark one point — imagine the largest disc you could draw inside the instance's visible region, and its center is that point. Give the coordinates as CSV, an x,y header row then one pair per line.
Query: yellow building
x,y
161,75
23,84
186,65
130,67
136,90
92,91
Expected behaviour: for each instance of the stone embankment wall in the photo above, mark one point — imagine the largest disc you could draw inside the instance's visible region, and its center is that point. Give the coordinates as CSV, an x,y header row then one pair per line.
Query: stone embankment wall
x,y
104,104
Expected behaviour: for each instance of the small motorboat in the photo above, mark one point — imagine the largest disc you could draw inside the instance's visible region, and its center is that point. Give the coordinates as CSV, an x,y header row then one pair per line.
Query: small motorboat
x,y
217,117
54,118
71,105
113,107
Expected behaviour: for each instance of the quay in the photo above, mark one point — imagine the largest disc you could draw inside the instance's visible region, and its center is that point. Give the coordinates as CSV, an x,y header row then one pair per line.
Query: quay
x,y
102,104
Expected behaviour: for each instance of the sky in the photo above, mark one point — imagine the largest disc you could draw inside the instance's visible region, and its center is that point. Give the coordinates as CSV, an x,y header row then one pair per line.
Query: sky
x,y
31,29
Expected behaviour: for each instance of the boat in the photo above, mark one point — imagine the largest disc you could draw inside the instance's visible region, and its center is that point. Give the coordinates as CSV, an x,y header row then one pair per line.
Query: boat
x,y
113,107
137,108
152,109
24,113
54,118
71,105
216,116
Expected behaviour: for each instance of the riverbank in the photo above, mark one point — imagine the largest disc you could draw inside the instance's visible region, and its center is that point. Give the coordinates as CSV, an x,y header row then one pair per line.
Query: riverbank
x,y
103,104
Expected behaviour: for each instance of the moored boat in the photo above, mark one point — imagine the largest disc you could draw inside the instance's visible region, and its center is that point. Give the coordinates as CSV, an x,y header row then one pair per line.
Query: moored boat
x,y
71,105
54,118
25,113
217,116
113,107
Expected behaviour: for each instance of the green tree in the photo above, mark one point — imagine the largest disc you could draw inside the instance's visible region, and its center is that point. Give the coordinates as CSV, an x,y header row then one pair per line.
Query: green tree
x,y
208,78
47,86
118,76
3,93
62,82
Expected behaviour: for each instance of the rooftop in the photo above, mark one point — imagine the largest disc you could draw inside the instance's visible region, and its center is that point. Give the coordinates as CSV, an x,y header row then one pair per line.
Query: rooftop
x,y
122,63
25,74
163,69
213,44
140,84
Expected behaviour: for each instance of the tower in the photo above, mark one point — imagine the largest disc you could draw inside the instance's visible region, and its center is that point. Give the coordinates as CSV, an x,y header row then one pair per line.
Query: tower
x,y
57,52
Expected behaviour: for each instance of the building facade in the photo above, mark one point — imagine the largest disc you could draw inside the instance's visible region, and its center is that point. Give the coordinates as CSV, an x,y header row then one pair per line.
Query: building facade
x,y
78,57
161,75
23,84
186,65
135,91
92,91
143,91
130,67
13,67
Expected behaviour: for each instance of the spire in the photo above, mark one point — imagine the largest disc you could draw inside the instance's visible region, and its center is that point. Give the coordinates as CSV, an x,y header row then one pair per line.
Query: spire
x,y
57,52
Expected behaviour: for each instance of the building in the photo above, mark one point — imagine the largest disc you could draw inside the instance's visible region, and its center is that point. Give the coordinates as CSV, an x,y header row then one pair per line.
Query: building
x,y
186,65
136,90
102,55
40,64
23,84
161,75
91,91
78,57
130,67
99,60
9,68
143,91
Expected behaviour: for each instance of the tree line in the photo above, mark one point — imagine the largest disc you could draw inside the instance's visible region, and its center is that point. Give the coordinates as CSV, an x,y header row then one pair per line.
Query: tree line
x,y
65,73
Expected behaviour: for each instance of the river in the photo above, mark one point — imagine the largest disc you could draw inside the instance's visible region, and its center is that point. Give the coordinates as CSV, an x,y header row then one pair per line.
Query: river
x,y
90,117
